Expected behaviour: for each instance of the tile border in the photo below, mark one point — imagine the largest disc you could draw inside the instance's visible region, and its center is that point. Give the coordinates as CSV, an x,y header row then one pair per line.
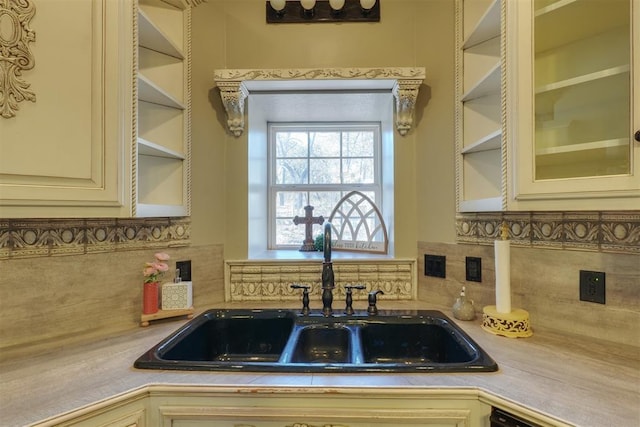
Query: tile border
x,y
32,238
583,230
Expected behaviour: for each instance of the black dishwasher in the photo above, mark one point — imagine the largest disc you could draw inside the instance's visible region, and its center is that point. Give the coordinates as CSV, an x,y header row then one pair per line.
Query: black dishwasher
x,y
500,418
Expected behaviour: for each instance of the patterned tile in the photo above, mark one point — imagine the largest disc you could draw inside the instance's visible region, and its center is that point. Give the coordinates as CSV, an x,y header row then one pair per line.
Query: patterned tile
x,y
67,237
467,228
584,231
29,239
100,235
179,232
547,229
581,230
621,232
25,238
489,225
5,239
519,228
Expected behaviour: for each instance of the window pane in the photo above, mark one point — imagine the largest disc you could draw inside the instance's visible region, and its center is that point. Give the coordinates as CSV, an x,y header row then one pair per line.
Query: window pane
x,y
323,202
324,171
290,203
287,233
292,171
357,171
358,144
324,144
291,144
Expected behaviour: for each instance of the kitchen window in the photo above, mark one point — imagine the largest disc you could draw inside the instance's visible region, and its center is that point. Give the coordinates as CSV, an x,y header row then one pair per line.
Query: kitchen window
x,y
317,164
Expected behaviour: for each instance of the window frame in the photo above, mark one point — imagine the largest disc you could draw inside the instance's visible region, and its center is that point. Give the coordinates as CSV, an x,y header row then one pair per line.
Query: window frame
x,y
334,126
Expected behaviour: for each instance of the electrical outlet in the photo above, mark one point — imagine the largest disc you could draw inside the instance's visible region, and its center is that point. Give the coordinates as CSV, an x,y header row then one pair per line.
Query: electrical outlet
x,y
592,286
185,270
435,266
473,269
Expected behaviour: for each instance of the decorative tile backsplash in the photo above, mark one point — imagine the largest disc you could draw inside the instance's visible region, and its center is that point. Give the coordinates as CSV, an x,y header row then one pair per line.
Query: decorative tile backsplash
x,y
585,231
261,280
20,238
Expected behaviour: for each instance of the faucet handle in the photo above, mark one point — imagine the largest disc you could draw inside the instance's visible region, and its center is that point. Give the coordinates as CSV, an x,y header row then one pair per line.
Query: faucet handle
x,y
349,297
373,309
305,296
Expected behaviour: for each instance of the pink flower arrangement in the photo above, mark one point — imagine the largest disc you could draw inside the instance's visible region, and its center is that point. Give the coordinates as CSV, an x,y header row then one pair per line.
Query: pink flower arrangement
x,y
153,271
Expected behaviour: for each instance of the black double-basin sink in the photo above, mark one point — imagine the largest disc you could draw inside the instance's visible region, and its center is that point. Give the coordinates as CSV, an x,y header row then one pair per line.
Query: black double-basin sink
x,y
286,341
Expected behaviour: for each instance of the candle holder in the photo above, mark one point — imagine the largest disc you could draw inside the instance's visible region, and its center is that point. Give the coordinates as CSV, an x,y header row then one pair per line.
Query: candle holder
x,y
514,324
501,319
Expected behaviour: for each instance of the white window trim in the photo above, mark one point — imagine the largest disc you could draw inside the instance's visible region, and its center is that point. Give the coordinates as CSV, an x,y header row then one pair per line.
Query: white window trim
x,y
284,106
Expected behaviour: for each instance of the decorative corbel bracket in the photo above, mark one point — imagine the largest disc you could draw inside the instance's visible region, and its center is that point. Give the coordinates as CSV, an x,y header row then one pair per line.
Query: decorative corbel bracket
x,y
405,88
233,94
406,93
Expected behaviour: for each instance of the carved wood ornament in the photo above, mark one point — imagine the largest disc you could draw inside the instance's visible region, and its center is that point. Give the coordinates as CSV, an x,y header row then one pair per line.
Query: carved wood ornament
x,y
15,54
405,90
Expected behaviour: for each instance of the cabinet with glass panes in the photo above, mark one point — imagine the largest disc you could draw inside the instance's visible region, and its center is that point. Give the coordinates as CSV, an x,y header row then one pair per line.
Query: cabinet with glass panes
x,y
575,114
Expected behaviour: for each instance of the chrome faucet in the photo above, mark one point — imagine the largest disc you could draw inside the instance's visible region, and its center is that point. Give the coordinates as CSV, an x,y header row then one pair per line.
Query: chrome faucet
x,y
328,281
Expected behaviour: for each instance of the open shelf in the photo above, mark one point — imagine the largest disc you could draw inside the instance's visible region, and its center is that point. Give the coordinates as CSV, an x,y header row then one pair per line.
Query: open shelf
x,y
148,148
489,204
488,84
492,141
150,92
152,37
487,27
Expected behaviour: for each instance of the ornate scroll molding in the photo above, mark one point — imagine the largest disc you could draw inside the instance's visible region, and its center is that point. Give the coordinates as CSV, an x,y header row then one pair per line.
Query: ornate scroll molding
x,y
405,90
15,54
585,230
265,280
30,238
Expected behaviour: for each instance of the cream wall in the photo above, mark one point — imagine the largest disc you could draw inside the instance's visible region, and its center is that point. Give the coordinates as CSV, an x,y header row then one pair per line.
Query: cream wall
x,y
233,34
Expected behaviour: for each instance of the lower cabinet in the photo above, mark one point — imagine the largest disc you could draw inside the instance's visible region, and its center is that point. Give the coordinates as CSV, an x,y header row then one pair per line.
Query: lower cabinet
x,y
320,409
200,406
118,412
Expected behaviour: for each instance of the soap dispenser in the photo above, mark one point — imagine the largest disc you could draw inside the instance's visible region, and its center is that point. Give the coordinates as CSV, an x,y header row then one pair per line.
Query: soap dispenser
x,y
463,307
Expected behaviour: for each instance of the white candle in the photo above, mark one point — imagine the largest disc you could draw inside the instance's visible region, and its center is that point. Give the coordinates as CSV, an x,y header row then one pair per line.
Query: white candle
x,y
503,275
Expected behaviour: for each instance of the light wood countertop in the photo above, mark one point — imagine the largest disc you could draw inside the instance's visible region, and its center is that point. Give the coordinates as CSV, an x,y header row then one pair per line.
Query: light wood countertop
x,y
581,382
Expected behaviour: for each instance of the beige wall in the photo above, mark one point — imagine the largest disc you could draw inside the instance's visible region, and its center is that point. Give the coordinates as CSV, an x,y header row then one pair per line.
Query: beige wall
x,y
233,34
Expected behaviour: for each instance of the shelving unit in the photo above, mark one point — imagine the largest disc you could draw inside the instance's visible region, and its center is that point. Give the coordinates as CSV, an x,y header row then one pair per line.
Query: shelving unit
x,y
163,109
479,125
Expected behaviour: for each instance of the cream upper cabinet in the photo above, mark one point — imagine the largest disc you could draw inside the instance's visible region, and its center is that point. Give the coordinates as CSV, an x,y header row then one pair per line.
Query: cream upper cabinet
x,y
162,144
556,129
65,153
575,103
108,133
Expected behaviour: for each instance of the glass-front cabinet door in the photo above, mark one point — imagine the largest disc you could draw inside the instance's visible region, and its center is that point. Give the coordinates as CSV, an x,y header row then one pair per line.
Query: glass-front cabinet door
x,y
577,108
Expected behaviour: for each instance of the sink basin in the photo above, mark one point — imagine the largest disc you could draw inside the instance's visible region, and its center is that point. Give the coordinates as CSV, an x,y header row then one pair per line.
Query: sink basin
x,y
322,344
286,341
414,343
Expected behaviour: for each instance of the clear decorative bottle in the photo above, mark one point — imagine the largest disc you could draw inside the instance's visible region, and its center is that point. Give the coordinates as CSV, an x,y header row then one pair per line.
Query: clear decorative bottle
x,y
463,308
